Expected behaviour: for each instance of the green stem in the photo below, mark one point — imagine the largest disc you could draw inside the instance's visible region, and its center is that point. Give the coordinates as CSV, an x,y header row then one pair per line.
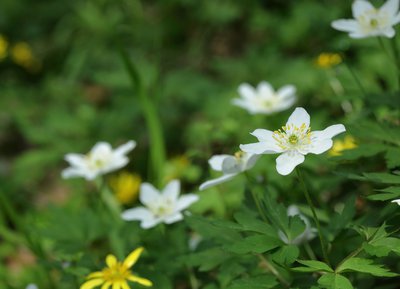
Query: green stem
x,y
351,255
157,147
396,58
270,268
255,198
356,79
310,204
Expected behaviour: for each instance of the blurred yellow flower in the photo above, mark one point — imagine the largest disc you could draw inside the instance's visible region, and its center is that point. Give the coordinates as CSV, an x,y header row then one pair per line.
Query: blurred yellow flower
x,y
341,145
21,54
3,47
176,167
328,60
125,187
116,274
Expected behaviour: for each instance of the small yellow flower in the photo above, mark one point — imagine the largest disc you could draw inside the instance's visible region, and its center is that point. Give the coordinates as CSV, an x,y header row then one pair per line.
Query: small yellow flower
x,y
328,60
341,145
21,54
126,187
3,47
116,274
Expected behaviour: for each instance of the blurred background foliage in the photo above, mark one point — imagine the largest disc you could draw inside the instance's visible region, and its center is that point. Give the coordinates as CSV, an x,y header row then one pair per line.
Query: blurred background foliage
x,y
64,87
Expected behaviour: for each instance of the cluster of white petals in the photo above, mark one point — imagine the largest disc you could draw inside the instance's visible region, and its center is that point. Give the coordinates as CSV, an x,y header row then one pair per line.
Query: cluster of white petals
x,y
293,141
100,160
264,99
160,207
369,21
230,166
308,234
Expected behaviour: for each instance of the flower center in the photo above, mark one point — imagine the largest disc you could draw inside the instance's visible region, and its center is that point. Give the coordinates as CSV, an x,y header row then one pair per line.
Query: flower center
x,y
374,23
291,137
116,273
162,209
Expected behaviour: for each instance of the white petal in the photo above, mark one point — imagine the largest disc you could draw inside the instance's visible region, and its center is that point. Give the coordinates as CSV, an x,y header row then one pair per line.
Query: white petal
x,y
149,223
346,25
247,105
148,194
216,162
246,91
173,218
359,7
101,148
396,19
329,132
139,213
299,117
230,165
397,201
76,160
171,190
125,148
265,89
216,181
263,135
293,210
250,161
287,91
185,201
287,161
258,148
389,32
391,7
71,173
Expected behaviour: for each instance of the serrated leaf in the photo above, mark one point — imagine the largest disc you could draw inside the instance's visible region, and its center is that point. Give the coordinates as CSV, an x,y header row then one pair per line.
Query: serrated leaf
x,y
384,178
362,150
334,281
286,255
207,259
313,266
387,194
392,157
382,247
258,282
364,266
251,223
254,244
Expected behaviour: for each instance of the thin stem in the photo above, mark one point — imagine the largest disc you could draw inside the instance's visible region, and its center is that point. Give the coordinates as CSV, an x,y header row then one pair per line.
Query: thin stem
x,y
270,268
356,79
396,58
351,255
310,204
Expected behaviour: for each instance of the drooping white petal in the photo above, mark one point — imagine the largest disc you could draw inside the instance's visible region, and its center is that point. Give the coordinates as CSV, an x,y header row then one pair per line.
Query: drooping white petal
x,y
250,161
216,162
391,7
173,218
139,213
265,89
148,194
345,25
299,117
359,7
185,201
246,91
171,190
287,161
230,165
216,181
125,148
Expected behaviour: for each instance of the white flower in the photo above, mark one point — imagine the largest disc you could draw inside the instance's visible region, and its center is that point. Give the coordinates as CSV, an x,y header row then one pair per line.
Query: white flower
x,y
230,166
100,160
308,234
32,286
370,21
397,201
293,141
264,99
160,207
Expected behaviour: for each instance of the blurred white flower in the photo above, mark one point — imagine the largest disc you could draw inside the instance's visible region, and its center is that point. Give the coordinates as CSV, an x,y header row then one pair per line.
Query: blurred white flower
x,y
230,166
397,201
370,21
308,234
100,160
32,286
293,141
264,99
160,207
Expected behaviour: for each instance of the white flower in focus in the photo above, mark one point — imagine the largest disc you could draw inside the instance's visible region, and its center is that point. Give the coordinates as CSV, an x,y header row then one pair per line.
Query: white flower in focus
x,y
308,234
293,141
160,207
100,160
32,286
264,99
370,21
397,201
230,166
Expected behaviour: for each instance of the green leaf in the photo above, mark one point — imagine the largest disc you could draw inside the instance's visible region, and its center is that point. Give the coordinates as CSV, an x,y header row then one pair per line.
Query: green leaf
x,y
286,255
362,150
388,194
258,282
392,157
313,266
251,223
207,259
384,178
334,281
382,247
254,244
364,266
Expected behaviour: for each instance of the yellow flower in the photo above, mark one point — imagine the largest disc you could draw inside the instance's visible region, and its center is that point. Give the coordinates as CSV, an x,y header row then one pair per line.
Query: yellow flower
x,y
341,145
3,47
125,187
21,53
328,60
116,274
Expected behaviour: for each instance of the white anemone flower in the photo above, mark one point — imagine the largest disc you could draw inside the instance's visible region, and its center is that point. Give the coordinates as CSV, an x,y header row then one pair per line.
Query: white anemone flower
x,y
264,99
397,201
370,21
308,234
293,141
100,160
160,207
230,166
